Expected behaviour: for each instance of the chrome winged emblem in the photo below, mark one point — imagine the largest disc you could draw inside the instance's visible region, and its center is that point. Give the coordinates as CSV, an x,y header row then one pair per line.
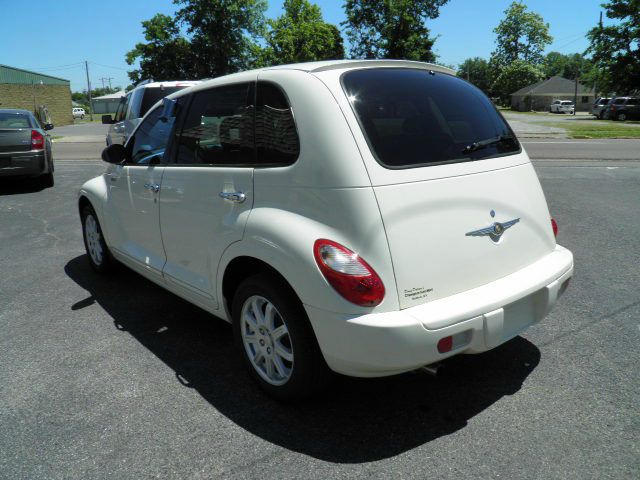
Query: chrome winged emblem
x,y
494,231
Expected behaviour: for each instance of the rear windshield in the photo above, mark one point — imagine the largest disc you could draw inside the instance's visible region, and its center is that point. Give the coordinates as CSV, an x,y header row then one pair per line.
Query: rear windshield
x,y
15,120
415,118
567,103
153,94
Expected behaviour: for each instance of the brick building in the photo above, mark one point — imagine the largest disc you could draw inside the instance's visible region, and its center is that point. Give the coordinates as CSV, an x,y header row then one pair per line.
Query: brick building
x,y
29,90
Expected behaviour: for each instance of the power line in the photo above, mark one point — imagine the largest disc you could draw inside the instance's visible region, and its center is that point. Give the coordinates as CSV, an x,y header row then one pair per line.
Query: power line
x,y
109,66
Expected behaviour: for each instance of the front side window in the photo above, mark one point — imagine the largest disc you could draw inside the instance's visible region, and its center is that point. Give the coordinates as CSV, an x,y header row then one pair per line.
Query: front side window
x,y
217,129
151,138
276,136
415,118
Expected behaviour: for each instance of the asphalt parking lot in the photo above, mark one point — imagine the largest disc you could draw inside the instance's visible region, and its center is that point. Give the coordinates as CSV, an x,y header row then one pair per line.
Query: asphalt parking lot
x,y
113,377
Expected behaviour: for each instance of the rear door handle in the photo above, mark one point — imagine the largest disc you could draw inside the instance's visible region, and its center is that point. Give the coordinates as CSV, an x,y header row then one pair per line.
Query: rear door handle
x,y
237,197
154,187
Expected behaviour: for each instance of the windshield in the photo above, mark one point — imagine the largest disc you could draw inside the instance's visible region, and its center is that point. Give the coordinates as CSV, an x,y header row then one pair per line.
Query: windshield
x,y
153,94
415,118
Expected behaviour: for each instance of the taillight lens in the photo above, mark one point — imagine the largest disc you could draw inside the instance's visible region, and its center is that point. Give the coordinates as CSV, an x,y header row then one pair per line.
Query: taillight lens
x,y
348,274
37,140
554,226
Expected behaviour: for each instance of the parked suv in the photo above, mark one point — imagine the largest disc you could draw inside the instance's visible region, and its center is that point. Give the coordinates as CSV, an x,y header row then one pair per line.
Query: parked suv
x,y
562,106
623,108
365,217
135,105
599,107
78,112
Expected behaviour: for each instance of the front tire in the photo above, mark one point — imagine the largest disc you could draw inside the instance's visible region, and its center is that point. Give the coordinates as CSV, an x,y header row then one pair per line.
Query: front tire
x,y
97,251
276,341
621,117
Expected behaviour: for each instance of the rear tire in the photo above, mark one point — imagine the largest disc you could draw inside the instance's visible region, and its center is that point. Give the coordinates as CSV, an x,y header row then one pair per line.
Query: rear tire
x,y
272,331
97,251
47,180
621,117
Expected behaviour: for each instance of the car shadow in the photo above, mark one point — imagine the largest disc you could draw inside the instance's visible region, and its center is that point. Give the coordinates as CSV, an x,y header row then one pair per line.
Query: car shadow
x,y
16,186
354,421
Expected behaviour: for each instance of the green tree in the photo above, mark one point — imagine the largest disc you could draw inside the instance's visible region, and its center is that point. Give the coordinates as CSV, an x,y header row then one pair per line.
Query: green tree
x,y
301,35
521,35
223,34
477,71
567,66
166,55
515,76
616,48
391,28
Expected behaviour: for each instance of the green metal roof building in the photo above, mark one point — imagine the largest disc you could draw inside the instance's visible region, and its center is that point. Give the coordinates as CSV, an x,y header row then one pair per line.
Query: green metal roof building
x,y
29,90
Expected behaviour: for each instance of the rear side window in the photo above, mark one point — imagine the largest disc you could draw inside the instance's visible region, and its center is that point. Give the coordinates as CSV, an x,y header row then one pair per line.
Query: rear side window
x,y
415,118
276,137
152,95
633,101
217,128
618,101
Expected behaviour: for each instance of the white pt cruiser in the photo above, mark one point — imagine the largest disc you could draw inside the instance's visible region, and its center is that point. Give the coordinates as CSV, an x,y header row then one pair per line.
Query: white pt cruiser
x,y
365,217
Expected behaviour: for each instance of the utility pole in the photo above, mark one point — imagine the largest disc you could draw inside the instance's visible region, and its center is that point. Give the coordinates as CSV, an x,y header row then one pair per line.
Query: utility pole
x,y
108,79
575,96
86,67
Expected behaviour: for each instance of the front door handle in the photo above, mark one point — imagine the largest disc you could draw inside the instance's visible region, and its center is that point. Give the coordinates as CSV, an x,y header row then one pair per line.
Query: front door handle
x,y
237,197
154,187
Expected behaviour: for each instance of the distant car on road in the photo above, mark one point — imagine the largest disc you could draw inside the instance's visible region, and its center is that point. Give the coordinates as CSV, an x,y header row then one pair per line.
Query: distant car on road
x,y
623,108
562,106
599,107
78,113
25,146
135,105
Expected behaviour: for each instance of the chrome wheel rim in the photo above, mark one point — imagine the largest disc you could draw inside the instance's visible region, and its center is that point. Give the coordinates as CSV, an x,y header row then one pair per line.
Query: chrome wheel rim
x,y
92,235
266,340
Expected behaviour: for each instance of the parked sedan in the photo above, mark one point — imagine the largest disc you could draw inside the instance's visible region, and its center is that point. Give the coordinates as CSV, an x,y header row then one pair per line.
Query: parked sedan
x,y
25,146
562,106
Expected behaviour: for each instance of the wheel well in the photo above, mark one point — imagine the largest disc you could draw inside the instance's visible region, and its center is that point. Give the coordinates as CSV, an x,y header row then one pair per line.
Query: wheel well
x,y
83,202
241,268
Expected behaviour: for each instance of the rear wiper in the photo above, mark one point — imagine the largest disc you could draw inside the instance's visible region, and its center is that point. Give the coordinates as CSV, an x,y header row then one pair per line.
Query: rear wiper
x,y
484,143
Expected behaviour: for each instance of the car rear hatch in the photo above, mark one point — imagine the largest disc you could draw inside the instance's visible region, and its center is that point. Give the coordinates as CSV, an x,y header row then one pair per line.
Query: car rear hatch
x,y
460,201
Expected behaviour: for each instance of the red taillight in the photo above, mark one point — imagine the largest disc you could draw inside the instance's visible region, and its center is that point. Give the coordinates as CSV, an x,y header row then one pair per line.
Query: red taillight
x,y
554,226
37,140
445,344
348,274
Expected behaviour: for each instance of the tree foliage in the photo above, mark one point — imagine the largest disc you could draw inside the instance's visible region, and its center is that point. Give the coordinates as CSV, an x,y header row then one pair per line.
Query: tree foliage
x,y
166,55
391,28
301,35
616,48
567,66
477,71
521,35
515,76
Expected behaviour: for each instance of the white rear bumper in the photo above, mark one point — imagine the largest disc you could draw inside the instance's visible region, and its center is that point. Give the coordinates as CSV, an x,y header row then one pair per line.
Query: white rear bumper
x,y
480,319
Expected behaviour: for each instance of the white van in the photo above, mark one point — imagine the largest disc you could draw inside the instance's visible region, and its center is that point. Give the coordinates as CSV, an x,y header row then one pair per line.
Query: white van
x,y
365,217
135,104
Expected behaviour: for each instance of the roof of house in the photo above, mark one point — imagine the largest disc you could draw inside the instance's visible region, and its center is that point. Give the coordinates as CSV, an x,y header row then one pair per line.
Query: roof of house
x,y
26,77
112,96
554,86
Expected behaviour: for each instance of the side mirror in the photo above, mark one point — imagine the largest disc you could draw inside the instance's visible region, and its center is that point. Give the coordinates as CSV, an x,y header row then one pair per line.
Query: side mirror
x,y
114,153
48,126
107,120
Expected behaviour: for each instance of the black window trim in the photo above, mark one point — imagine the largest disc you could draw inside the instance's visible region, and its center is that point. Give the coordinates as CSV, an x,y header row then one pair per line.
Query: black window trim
x,y
426,164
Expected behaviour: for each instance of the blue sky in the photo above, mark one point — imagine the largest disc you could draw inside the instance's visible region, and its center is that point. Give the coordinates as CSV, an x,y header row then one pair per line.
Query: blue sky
x,y
67,32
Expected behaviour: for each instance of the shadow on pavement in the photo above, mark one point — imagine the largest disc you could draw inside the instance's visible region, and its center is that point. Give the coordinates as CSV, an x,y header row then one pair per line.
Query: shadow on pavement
x,y
357,420
16,186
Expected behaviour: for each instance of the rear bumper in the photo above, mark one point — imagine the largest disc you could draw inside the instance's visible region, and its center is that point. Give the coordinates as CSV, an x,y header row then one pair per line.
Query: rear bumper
x,y
480,319
22,164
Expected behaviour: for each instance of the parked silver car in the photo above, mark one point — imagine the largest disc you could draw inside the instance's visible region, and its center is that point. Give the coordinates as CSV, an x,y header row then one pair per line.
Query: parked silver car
x,y
25,146
599,107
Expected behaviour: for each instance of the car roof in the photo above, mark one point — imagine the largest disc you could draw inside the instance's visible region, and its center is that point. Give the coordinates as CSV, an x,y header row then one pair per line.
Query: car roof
x,y
314,67
171,83
15,110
